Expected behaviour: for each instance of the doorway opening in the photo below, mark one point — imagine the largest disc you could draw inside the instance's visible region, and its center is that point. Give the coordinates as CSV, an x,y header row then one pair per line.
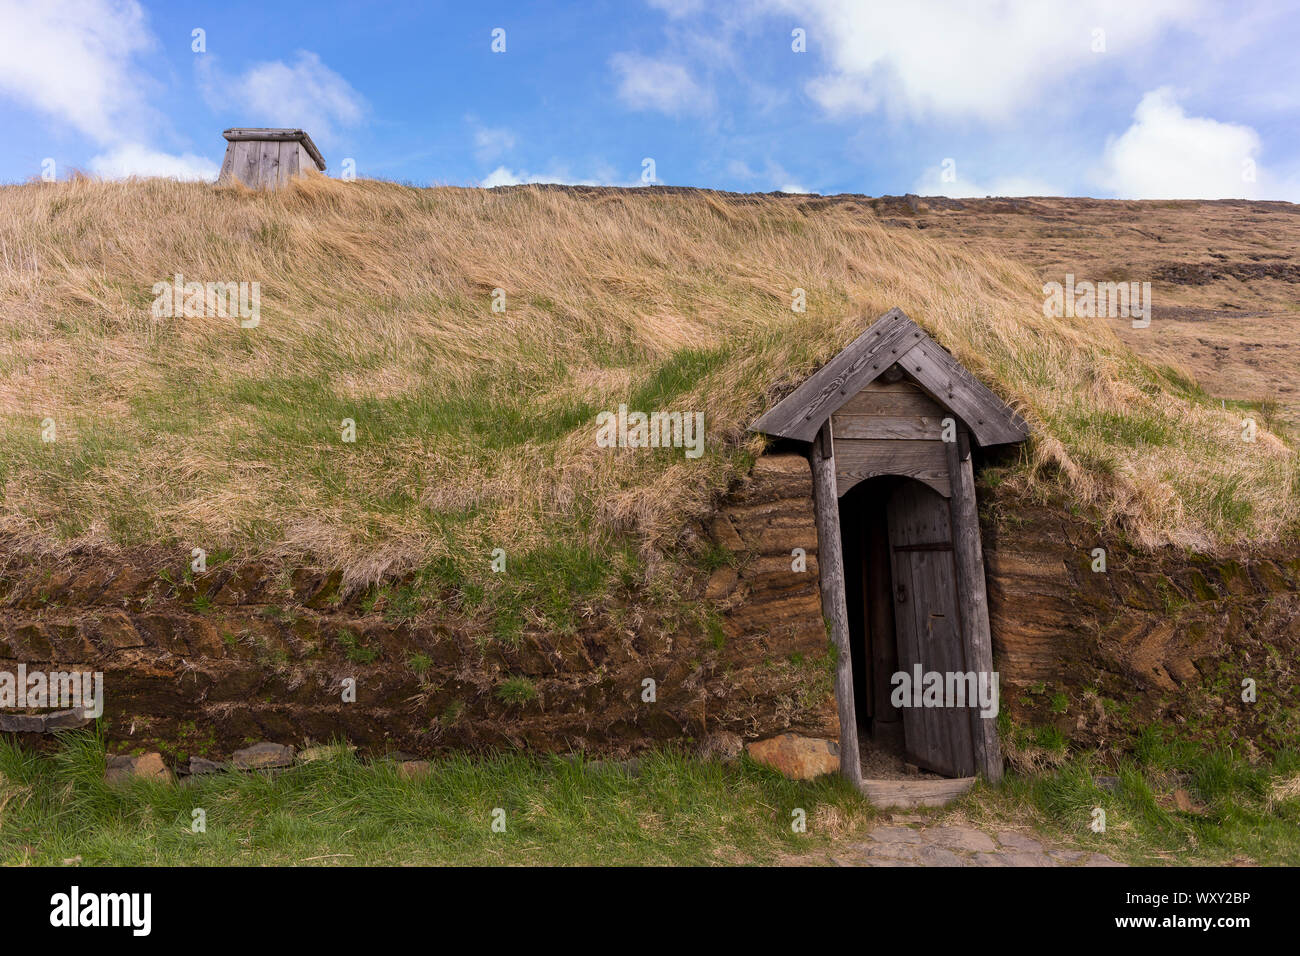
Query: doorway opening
x,y
901,595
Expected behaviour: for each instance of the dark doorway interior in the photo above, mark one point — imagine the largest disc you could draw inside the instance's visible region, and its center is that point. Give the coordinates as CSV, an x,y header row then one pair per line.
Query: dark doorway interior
x,y
868,585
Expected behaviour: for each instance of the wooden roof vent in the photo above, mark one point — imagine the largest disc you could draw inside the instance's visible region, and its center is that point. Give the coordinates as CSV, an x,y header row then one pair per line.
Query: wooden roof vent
x,y
268,158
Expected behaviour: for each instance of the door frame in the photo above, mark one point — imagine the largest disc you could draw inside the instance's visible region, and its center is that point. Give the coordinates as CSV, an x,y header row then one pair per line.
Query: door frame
x,y
972,599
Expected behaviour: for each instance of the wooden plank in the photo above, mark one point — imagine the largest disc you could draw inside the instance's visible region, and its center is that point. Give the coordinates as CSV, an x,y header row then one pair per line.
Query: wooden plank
x,y
911,401
857,459
830,561
247,157
289,153
915,793
929,626
968,558
891,426
802,412
269,165
904,384
254,134
991,420
227,164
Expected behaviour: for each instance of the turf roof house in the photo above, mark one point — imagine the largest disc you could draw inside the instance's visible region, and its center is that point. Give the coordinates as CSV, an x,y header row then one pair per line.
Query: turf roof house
x,y
888,425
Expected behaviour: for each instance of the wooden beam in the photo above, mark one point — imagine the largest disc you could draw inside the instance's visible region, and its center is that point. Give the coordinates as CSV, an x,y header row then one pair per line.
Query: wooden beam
x,y
888,426
857,459
830,560
968,556
943,377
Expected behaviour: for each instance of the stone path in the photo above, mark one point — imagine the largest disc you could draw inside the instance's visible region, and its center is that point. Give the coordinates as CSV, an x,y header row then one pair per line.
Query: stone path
x,y
953,845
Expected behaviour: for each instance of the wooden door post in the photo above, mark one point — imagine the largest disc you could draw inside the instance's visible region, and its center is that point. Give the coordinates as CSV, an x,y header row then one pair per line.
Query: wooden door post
x,y
968,556
830,561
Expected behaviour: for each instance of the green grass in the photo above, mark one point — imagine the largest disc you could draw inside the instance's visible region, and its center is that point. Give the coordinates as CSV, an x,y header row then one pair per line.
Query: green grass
x,y
667,809
341,811
1239,810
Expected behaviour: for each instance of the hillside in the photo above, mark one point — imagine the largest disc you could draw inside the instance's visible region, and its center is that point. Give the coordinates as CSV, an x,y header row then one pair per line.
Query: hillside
x,y
476,430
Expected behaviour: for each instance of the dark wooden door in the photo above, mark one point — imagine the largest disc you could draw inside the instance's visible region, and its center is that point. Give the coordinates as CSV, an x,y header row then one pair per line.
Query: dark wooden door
x,y
928,625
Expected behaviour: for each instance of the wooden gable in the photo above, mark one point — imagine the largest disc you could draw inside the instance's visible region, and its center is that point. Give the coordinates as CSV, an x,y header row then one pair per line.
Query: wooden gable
x,y
890,428
894,339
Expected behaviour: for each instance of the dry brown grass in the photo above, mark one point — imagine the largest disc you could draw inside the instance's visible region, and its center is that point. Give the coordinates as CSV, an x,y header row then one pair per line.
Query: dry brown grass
x,y
476,429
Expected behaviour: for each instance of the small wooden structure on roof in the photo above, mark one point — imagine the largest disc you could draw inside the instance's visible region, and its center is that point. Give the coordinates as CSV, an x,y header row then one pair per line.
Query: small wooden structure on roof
x,y
268,158
889,424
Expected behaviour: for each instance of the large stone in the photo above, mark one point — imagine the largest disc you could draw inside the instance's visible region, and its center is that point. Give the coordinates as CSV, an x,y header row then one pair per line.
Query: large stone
x,y
961,838
148,766
796,757
263,756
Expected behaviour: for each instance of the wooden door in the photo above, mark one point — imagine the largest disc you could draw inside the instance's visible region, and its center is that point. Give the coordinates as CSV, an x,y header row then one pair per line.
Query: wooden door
x,y
928,625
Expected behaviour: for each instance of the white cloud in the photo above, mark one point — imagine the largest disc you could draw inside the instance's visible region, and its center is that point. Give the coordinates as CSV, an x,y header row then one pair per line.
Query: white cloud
x,y
504,176
305,95
941,58
1167,154
491,142
71,59
645,83
136,160
931,183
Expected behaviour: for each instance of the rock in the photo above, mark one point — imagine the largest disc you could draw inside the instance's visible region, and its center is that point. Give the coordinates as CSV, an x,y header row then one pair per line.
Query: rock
x,y
200,765
1067,856
325,752
263,756
22,724
938,856
147,766
66,720
796,757
1027,859
961,838
722,745
895,835
1018,841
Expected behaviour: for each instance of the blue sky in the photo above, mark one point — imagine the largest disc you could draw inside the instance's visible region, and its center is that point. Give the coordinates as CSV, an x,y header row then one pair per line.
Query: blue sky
x,y
1136,99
